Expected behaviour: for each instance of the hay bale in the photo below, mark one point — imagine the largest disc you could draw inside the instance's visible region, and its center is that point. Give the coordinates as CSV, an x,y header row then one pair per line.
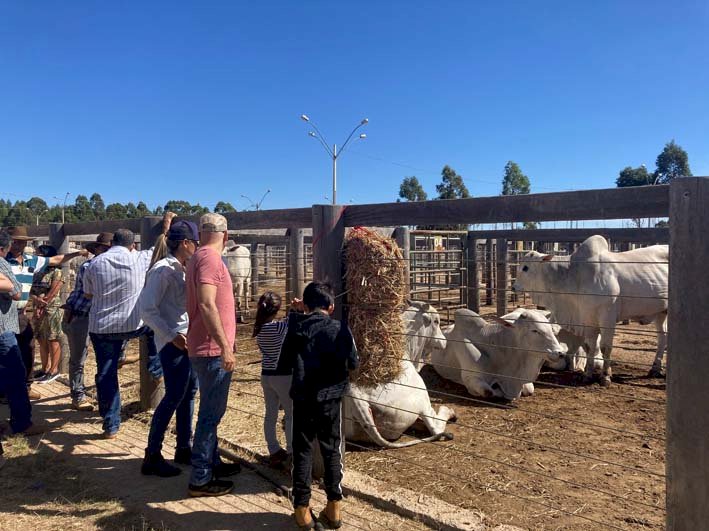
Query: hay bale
x,y
375,283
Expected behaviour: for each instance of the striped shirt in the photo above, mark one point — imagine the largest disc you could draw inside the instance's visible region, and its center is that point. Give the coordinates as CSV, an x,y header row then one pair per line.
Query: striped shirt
x,y
24,273
269,340
8,306
115,279
76,301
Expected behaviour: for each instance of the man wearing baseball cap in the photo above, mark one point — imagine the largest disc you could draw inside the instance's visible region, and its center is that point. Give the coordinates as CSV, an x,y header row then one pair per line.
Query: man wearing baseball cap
x,y
76,326
210,343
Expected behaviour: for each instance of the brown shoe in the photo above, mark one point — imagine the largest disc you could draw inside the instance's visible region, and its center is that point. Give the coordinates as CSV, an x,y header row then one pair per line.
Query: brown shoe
x,y
305,519
110,435
82,405
34,395
35,429
128,360
331,516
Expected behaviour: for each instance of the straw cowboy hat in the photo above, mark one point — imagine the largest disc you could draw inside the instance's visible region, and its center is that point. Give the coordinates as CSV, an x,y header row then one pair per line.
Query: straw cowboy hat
x,y
19,233
102,240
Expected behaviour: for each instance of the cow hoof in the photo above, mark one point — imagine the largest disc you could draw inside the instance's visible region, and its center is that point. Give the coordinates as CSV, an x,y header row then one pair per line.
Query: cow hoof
x,y
605,381
655,373
446,436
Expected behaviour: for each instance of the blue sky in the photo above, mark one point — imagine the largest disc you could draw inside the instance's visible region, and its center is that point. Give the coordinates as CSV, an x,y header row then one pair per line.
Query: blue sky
x,y
200,100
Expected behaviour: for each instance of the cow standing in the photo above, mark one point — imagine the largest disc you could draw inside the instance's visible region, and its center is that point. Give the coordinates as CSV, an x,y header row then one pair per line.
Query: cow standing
x,y
238,262
593,289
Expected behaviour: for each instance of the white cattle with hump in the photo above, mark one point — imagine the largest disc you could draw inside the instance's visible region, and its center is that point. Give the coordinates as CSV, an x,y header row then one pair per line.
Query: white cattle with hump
x,y
591,290
238,261
382,413
499,359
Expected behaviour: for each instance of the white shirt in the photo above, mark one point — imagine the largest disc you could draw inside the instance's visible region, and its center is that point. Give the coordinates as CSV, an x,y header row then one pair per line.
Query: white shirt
x,y
162,303
115,279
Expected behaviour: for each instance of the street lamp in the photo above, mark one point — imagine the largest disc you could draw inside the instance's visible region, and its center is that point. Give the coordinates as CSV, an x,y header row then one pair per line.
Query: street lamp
x,y
333,152
260,202
41,214
63,205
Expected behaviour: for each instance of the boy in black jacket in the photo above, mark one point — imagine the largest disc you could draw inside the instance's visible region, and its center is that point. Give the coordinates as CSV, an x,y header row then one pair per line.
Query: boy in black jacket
x,y
321,354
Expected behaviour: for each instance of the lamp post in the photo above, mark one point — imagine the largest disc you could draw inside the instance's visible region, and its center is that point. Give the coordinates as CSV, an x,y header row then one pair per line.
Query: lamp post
x,y
334,154
63,205
257,205
41,214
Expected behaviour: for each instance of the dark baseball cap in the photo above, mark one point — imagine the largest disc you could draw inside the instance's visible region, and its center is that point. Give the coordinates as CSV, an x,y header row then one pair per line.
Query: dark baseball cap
x,y
183,230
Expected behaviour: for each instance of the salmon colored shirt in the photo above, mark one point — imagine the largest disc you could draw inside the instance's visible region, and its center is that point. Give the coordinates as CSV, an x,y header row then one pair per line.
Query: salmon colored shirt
x,y
206,267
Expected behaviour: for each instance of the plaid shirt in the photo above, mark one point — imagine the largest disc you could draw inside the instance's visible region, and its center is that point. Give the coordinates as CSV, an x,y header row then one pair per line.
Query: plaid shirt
x,y
76,302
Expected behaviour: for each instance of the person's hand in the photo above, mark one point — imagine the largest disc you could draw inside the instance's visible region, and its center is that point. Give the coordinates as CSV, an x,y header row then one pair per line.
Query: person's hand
x,y
40,302
68,316
167,220
84,253
180,341
228,360
297,305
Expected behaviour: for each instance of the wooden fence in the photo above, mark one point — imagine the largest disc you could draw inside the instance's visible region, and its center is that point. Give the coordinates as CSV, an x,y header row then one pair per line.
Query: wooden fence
x,y
684,202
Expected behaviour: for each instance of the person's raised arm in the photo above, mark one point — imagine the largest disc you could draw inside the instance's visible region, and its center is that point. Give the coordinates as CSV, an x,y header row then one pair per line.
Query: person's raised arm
x,y
207,301
63,258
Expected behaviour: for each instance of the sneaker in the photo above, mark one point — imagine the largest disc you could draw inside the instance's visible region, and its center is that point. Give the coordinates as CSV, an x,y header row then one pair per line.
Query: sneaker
x,y
35,429
33,394
216,487
155,465
277,459
82,405
224,470
183,456
47,378
38,375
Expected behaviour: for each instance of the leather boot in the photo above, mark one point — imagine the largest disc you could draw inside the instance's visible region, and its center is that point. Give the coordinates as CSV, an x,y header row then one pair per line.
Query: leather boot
x,y
305,519
331,515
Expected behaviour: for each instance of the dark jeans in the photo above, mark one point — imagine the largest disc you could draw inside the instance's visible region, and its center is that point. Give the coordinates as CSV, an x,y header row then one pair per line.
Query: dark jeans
x,y
180,390
109,350
25,340
12,382
77,335
321,420
214,384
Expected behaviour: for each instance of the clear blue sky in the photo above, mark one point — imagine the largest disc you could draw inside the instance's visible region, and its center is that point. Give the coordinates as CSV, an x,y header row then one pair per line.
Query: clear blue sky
x,y
200,100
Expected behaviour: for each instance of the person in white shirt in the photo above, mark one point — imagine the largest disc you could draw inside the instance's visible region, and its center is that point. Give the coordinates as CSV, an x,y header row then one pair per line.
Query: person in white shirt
x,y
162,307
114,281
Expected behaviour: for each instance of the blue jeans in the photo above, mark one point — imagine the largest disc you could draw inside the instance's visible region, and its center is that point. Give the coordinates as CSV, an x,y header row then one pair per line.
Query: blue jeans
x,y
108,348
214,384
180,390
77,335
12,382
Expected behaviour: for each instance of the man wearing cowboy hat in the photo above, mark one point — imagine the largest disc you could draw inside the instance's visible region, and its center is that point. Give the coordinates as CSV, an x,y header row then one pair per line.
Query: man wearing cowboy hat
x,y
76,326
24,266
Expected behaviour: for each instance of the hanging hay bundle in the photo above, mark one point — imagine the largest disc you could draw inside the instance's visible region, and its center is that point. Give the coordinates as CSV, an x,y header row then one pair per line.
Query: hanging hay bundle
x,y
375,281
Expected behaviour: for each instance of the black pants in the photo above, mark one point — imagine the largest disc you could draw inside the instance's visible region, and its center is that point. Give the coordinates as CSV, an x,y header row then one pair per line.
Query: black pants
x,y
323,420
25,340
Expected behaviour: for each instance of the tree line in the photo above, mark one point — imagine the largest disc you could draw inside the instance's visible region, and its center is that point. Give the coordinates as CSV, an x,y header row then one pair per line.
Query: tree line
x,y
671,163
36,210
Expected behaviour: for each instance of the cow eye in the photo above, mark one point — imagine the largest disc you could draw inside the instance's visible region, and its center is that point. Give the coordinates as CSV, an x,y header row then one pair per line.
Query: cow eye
x,y
525,268
535,331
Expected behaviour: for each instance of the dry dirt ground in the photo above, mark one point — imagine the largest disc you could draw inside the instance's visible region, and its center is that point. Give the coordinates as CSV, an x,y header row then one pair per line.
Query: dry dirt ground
x,y
572,456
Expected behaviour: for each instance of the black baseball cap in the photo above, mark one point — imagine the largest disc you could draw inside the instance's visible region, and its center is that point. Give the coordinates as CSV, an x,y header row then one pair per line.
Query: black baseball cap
x,y
183,230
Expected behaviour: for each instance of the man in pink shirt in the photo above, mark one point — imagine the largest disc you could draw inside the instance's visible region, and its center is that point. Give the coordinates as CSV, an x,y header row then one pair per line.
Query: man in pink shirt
x,y
210,343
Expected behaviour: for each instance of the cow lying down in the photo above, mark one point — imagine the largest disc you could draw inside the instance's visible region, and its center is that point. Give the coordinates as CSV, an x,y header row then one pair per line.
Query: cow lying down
x,y
498,359
382,413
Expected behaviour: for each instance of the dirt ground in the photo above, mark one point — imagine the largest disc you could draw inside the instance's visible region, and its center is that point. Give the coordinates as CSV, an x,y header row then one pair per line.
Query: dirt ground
x,y
572,457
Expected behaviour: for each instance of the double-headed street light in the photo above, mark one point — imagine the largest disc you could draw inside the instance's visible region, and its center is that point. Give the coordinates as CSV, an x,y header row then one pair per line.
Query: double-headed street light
x,y
334,154
64,204
257,206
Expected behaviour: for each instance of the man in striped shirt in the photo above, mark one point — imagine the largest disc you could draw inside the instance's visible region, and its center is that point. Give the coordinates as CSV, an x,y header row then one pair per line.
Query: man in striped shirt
x,y
24,266
113,282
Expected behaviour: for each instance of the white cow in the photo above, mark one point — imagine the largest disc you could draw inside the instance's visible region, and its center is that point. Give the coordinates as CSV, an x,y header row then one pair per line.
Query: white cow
x,y
499,359
593,289
382,413
238,260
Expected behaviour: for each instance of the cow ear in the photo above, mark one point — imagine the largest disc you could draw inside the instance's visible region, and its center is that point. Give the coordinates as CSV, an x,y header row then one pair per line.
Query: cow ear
x,y
546,313
547,257
503,322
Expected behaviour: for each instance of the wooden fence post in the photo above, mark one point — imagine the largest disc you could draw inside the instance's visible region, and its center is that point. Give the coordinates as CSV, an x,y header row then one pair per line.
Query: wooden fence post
x,y
254,273
489,268
150,392
328,238
60,242
688,357
501,283
403,240
473,273
295,263
266,261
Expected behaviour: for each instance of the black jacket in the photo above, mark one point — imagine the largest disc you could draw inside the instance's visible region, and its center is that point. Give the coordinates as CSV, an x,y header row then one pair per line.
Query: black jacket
x,y
321,353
